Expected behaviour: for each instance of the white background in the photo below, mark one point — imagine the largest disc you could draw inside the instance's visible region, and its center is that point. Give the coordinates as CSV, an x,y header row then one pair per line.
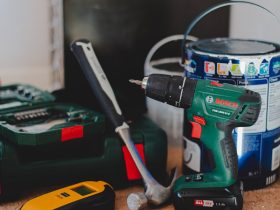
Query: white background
x,y
254,23
25,42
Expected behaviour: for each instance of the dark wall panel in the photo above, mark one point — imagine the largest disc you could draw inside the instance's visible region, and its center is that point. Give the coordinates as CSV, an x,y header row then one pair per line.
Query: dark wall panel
x,y
122,32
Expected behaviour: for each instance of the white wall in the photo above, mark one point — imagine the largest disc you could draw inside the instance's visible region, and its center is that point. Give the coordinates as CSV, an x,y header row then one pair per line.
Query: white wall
x,y
25,42
252,22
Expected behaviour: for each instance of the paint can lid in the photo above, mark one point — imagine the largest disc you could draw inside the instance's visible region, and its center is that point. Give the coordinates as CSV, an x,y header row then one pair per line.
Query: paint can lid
x,y
227,46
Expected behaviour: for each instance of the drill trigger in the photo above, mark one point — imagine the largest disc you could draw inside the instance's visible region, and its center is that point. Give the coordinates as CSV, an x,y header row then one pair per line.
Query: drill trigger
x,y
196,130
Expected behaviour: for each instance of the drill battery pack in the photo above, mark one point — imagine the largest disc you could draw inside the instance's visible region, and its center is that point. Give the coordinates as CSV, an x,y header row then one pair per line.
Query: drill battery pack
x,y
44,143
223,198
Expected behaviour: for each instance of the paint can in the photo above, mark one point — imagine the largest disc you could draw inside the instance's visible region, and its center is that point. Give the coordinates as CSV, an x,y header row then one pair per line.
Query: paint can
x,y
252,64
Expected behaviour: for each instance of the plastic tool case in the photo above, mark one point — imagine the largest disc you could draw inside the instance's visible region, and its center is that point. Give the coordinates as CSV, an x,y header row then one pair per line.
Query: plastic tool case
x,y
51,123
29,116
35,160
20,95
24,167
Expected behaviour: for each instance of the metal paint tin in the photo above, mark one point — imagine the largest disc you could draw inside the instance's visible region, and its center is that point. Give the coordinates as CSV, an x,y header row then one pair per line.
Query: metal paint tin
x,y
257,67
252,64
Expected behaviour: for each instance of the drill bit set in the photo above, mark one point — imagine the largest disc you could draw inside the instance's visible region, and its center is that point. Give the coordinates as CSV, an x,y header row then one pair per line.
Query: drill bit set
x,y
50,124
37,120
17,95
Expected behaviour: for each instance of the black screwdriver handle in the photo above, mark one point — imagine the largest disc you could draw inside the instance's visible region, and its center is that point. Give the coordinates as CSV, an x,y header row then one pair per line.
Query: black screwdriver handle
x,y
98,81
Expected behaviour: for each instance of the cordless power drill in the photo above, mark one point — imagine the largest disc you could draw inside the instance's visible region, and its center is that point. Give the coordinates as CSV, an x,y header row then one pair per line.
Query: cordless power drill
x,y
214,110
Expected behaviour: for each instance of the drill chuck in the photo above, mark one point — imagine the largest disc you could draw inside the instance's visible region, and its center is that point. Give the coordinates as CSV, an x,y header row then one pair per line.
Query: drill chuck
x,y
170,89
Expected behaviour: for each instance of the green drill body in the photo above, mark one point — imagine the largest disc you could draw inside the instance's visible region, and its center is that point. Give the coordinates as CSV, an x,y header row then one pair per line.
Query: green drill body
x,y
223,107
214,110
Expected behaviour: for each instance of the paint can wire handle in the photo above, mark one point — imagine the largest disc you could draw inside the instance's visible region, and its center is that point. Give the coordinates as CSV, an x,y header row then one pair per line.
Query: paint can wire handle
x,y
148,65
210,10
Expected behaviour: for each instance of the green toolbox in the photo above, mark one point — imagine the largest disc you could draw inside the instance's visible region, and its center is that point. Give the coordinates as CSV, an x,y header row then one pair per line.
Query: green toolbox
x,y
51,123
25,167
45,143
29,116
19,95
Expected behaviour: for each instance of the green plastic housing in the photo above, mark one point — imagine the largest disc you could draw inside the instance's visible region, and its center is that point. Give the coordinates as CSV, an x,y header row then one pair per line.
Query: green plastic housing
x,y
220,108
86,129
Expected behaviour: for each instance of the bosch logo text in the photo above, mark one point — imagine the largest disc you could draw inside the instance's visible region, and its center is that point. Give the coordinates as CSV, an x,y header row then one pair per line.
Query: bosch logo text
x,y
226,103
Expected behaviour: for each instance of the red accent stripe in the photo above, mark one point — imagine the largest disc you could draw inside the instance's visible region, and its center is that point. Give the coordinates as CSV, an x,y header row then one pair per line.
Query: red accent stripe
x,y
199,120
73,132
131,170
216,83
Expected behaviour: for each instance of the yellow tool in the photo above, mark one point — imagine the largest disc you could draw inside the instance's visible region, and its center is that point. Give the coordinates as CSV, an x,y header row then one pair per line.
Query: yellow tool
x,y
87,195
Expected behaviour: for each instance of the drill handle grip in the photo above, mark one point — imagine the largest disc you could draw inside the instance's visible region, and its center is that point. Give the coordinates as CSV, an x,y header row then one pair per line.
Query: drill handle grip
x,y
98,81
220,142
229,151
218,139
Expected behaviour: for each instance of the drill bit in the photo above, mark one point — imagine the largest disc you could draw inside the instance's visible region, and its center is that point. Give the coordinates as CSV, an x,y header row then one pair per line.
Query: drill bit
x,y
137,82
142,83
